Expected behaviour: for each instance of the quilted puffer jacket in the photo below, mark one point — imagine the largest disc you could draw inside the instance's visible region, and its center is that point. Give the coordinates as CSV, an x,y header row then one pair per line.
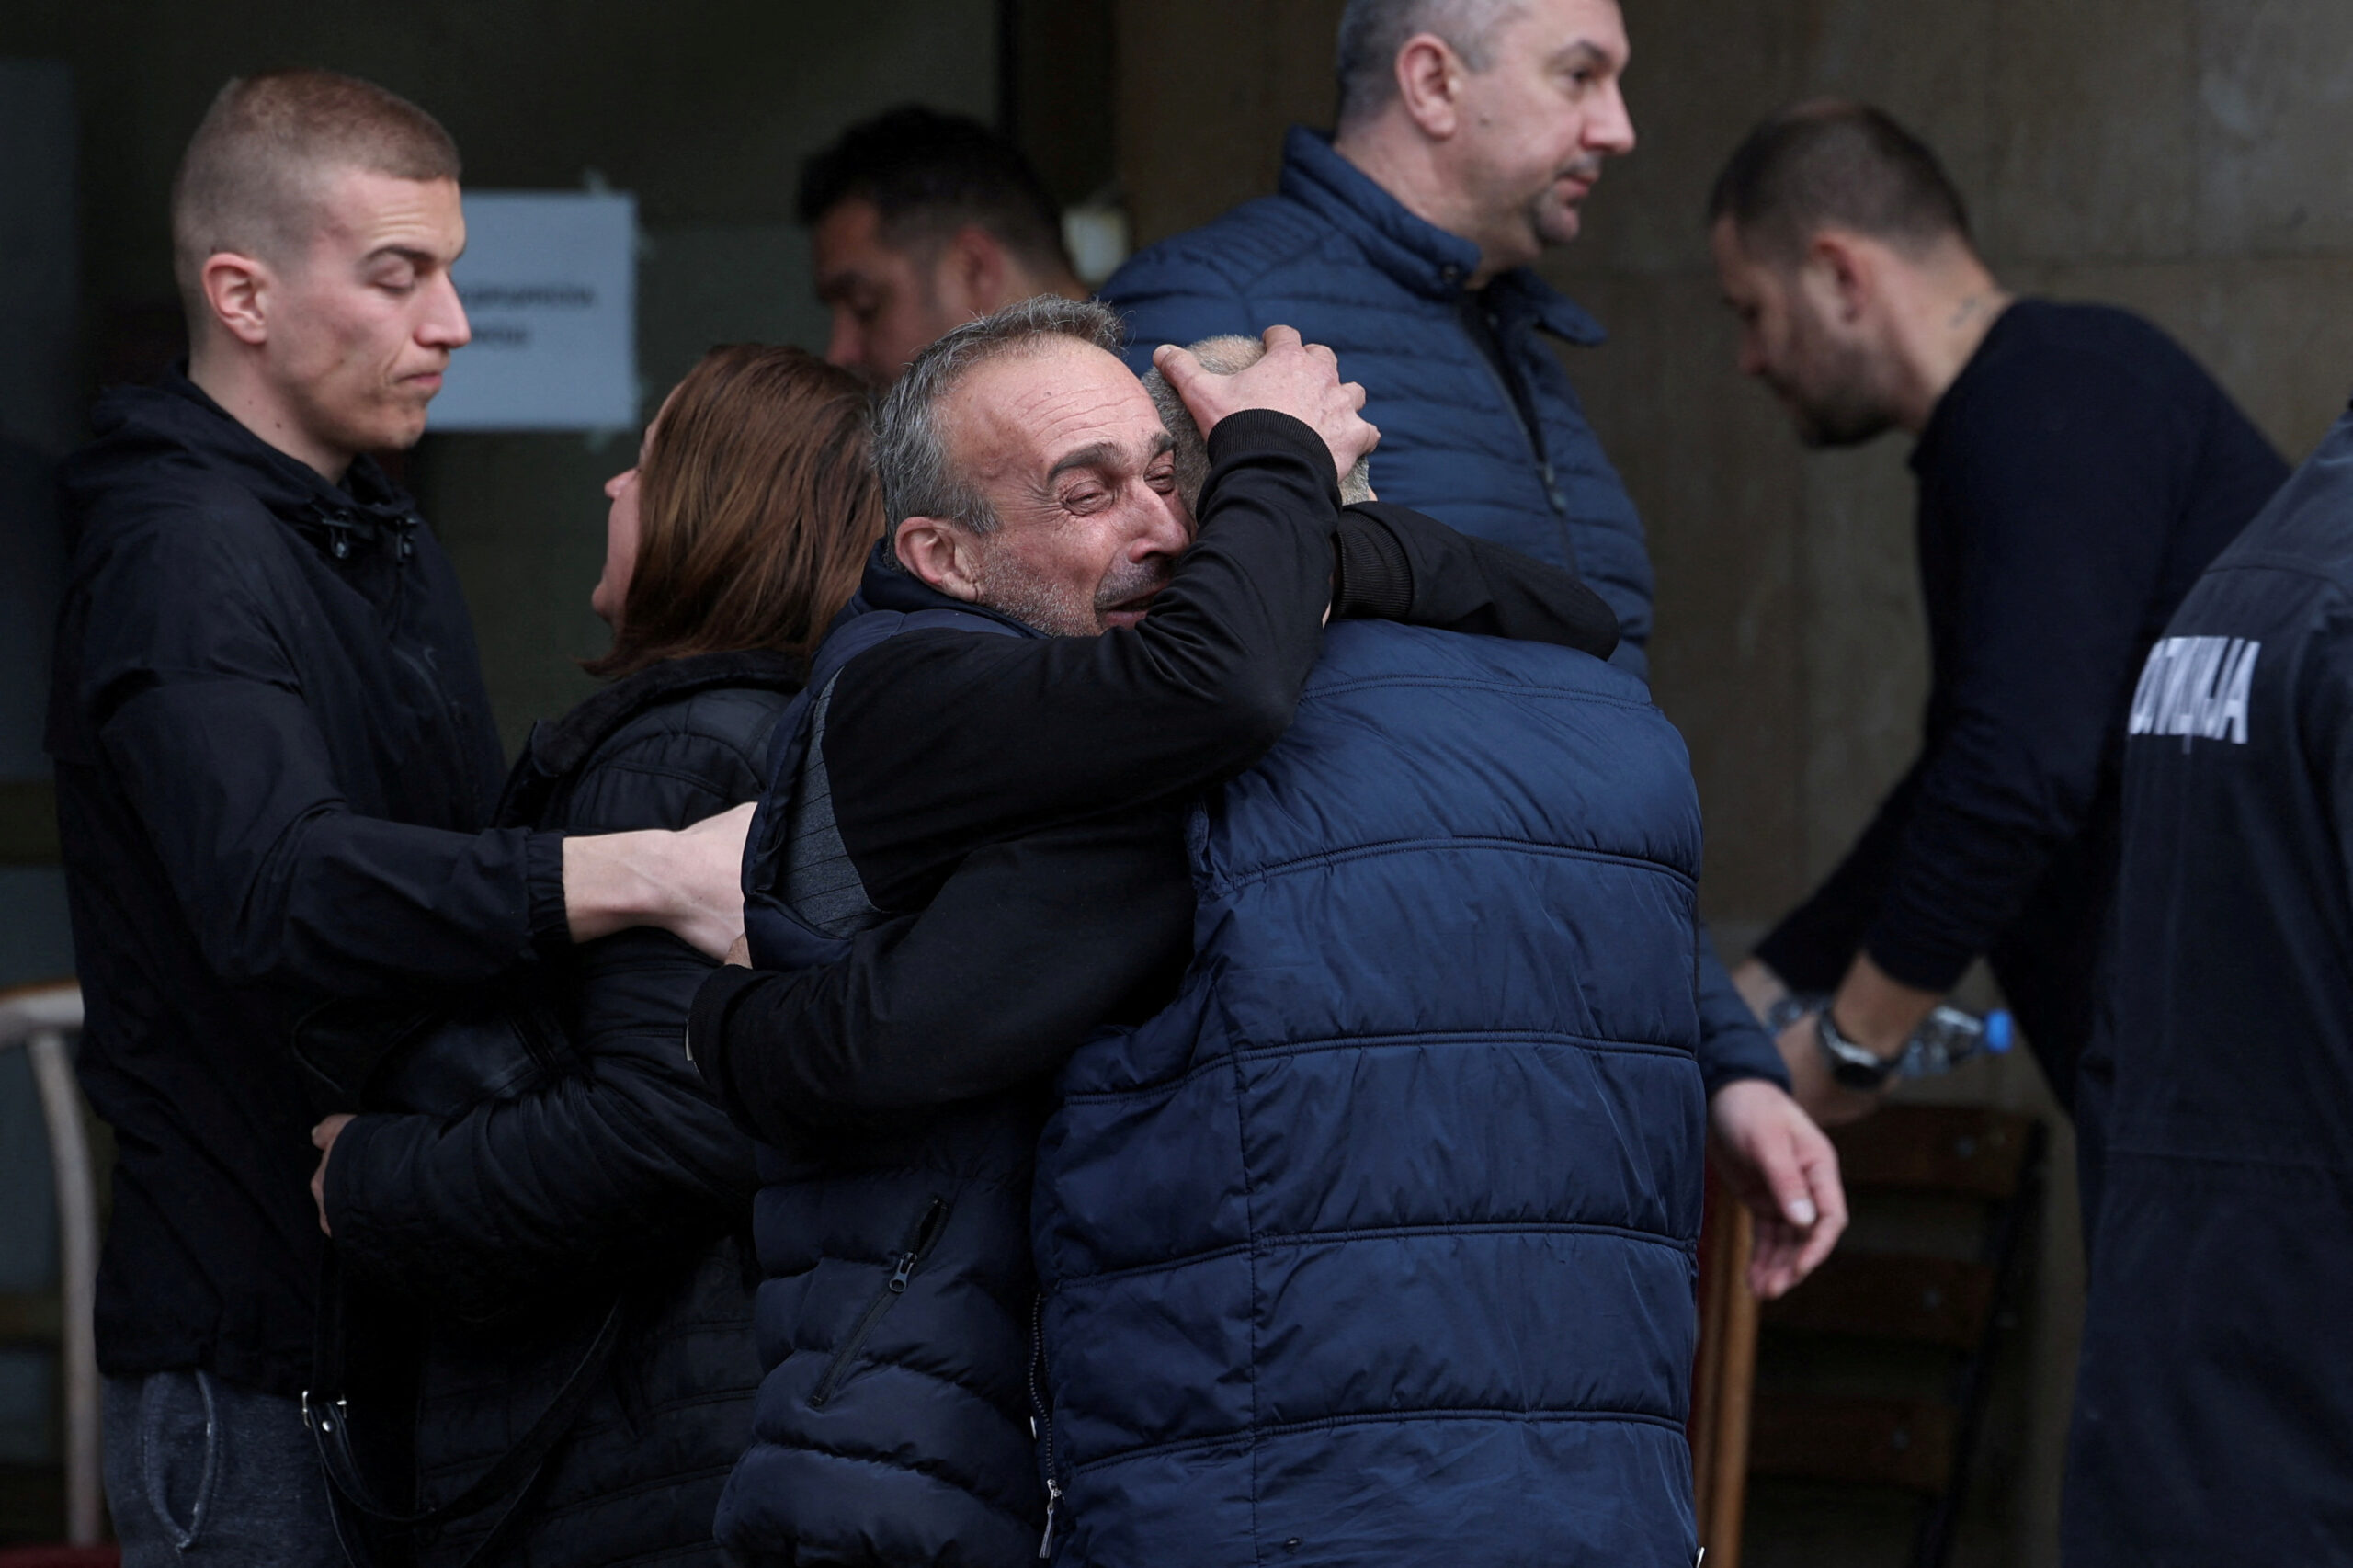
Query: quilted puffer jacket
x,y
1377,1245
1338,257
1512,460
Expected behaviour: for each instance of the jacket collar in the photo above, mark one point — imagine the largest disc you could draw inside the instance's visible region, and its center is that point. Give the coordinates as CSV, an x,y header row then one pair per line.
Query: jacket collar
x,y
559,745
1415,252
175,414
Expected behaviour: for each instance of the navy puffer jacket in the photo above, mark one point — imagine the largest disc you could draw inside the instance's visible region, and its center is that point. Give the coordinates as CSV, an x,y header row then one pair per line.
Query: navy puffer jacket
x,y
1337,258
1377,1245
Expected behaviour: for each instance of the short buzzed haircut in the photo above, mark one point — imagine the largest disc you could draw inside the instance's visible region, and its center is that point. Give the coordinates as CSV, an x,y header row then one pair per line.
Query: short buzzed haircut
x,y
259,160
928,175
1225,356
920,476
1372,31
1833,163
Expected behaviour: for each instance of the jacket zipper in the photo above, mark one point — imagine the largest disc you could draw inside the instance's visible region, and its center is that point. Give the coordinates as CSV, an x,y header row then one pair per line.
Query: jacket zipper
x,y
1041,1421
918,1244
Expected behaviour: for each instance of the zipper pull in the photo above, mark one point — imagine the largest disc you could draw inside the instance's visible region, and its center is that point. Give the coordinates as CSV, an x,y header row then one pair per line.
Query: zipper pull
x,y
1053,1495
899,1275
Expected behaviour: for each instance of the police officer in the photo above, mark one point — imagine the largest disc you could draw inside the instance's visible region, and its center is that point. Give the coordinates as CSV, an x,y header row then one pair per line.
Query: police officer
x,y
2214,1407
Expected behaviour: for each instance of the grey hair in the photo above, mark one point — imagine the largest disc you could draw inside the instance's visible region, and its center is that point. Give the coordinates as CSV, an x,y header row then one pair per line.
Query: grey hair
x,y
1222,356
1372,31
920,479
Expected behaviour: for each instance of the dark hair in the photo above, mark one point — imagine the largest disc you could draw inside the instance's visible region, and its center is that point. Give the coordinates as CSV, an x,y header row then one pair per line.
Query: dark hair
x,y
249,178
756,507
1834,161
928,174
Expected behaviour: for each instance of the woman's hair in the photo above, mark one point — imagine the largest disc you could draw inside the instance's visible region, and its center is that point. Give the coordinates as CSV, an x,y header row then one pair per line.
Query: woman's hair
x,y
758,505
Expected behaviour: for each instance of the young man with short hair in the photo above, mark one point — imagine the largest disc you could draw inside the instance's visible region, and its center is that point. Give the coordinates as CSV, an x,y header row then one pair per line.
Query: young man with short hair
x,y
275,764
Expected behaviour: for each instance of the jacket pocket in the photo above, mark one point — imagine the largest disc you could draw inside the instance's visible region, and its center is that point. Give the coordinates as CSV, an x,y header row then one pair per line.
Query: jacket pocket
x,y
910,1258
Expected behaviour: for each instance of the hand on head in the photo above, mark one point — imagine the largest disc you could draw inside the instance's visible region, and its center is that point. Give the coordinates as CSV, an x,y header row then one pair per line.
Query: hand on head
x,y
1302,379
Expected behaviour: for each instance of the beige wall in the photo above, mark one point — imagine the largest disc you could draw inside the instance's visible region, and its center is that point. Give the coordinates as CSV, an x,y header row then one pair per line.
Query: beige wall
x,y
2192,159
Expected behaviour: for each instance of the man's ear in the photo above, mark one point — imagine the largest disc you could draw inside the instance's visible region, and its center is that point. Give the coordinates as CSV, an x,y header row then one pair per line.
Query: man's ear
x,y
975,276
943,553
1846,270
238,288
1429,82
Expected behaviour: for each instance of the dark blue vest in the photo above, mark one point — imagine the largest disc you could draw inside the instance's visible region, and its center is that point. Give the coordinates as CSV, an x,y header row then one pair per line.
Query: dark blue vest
x,y
896,1312
1377,1246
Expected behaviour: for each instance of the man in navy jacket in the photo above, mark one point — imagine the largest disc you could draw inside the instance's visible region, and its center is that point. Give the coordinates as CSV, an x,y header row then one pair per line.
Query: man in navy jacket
x,y
1469,137
2214,1403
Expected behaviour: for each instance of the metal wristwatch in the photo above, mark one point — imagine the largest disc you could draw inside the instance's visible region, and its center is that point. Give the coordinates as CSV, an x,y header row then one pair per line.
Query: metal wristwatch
x,y
1852,1066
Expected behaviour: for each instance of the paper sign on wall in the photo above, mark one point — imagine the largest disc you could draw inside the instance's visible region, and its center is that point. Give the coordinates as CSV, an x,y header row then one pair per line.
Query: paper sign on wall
x,y
550,285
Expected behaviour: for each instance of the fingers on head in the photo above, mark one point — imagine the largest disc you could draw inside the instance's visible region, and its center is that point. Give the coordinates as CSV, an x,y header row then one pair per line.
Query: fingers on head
x,y
1280,338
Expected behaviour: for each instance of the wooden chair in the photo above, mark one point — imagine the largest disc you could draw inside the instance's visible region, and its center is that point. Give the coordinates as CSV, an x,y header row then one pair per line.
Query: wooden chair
x,y
39,1018
1724,1381
1980,1170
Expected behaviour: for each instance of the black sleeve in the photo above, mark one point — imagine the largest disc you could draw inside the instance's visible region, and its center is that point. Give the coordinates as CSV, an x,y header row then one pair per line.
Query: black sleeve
x,y
1029,946
2065,484
628,1150
1815,944
1396,564
201,714
939,742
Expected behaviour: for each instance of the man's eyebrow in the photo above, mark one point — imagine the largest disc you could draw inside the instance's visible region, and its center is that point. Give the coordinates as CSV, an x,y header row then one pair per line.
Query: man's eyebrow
x,y
409,254
1583,52
1095,454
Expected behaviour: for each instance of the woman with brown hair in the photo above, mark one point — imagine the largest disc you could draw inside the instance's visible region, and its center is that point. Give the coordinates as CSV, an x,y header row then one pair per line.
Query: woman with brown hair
x,y
564,1254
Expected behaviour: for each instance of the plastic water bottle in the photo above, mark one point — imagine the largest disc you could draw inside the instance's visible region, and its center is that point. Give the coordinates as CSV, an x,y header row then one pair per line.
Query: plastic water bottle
x,y
1950,1035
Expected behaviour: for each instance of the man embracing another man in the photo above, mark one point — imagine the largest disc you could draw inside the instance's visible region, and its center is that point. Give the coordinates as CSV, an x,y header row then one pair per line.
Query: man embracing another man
x,y
1368,1233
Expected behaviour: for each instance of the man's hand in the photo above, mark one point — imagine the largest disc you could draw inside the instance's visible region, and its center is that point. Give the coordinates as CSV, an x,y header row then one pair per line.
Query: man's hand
x,y
323,1139
1298,378
1781,1167
689,882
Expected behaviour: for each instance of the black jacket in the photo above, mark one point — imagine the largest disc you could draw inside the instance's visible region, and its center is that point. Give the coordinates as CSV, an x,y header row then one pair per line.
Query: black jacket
x,y
2214,1418
516,1226
276,769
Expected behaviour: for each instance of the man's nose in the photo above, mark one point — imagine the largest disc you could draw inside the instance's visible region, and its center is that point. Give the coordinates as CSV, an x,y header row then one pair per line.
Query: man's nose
x,y
445,324
845,347
1164,529
1611,128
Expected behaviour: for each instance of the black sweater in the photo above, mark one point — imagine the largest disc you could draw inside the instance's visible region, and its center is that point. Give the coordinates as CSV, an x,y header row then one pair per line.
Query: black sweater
x,y
1056,796
2074,482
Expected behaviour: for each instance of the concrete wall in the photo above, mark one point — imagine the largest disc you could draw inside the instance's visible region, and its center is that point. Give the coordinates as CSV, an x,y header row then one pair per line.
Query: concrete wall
x,y
2192,159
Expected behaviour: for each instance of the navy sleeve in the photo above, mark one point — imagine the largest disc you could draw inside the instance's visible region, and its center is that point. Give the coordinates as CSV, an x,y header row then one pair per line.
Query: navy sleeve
x,y
2063,477
1732,1044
